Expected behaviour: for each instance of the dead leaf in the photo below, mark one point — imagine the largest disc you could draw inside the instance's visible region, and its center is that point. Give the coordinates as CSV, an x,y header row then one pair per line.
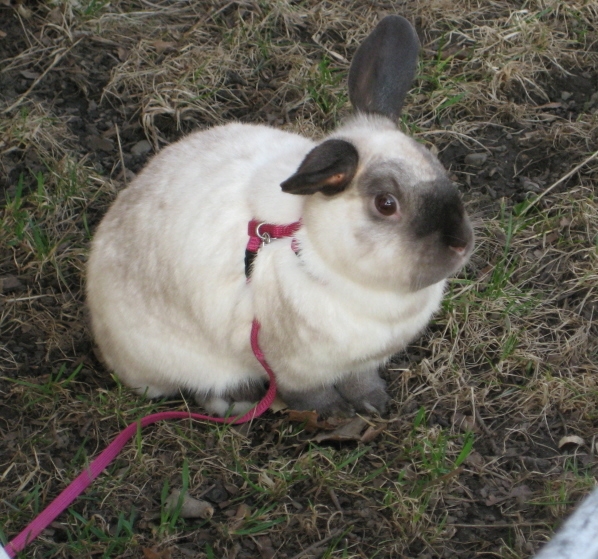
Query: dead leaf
x,y
278,405
475,459
2,34
24,11
555,105
243,511
493,500
310,418
484,273
465,423
231,489
163,46
350,431
565,222
55,16
570,442
378,482
266,480
521,493
551,237
264,544
372,432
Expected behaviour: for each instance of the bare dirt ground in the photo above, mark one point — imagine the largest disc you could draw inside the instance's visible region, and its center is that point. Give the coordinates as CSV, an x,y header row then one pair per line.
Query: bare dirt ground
x,y
470,461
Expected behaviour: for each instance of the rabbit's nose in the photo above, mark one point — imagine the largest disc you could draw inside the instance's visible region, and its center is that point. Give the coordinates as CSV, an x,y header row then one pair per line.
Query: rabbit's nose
x,y
461,240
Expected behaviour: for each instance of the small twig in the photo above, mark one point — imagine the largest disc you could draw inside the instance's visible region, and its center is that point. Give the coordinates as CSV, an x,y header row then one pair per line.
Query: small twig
x,y
563,178
57,58
122,157
500,525
335,500
453,133
314,546
206,491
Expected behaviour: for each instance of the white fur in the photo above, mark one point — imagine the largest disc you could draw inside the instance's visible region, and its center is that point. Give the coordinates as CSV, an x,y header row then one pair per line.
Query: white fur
x,y
170,304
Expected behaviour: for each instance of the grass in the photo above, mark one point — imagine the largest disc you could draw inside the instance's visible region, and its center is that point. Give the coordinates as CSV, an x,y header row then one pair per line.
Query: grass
x,y
468,463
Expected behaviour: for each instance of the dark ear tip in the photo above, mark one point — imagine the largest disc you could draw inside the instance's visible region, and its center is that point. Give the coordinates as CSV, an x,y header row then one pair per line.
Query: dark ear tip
x,y
394,19
398,24
383,68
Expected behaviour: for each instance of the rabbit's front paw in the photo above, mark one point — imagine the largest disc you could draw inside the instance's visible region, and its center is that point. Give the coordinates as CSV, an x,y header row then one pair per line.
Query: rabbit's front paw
x,y
235,401
366,392
326,401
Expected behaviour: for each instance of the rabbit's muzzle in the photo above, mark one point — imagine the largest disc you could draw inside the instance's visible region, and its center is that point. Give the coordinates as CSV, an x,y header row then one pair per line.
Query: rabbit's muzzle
x,y
443,236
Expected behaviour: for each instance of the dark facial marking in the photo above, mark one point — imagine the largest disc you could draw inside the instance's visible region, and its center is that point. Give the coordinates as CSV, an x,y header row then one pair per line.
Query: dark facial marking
x,y
441,210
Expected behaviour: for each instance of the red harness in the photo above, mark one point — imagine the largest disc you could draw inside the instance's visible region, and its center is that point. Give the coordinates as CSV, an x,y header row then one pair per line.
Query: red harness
x,y
259,234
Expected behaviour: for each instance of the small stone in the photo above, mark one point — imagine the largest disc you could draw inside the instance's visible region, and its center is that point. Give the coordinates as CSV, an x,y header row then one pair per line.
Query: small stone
x,y
100,144
10,283
566,95
476,159
141,148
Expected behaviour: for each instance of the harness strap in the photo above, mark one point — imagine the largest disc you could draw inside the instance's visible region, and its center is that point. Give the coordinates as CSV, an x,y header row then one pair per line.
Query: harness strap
x,y
261,233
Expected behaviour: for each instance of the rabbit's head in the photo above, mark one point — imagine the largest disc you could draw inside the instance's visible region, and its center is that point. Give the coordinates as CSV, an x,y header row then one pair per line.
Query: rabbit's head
x,y
380,208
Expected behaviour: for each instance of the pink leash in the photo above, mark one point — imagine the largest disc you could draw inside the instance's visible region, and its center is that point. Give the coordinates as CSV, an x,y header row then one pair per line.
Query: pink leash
x,y
80,483
84,479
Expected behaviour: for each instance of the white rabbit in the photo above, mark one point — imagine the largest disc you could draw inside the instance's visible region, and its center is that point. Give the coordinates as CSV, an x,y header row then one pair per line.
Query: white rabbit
x,y
382,226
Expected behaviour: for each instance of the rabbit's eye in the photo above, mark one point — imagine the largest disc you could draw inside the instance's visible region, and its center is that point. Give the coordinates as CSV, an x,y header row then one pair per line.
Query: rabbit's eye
x,y
386,204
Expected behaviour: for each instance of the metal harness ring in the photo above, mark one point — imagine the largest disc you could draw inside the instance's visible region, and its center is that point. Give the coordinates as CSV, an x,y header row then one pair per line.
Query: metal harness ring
x,y
264,237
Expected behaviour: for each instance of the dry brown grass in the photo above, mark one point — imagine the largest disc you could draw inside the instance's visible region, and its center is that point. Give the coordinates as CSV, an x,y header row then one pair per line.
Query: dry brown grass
x,y
512,358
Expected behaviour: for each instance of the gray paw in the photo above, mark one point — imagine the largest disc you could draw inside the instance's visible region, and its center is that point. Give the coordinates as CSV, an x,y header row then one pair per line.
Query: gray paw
x,y
366,392
326,401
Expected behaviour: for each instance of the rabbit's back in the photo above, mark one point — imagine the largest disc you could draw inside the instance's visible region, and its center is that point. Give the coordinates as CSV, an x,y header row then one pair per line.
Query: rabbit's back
x,y
166,284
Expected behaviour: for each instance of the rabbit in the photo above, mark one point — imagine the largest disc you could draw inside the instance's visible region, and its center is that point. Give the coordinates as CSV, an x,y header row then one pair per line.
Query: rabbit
x,y
381,228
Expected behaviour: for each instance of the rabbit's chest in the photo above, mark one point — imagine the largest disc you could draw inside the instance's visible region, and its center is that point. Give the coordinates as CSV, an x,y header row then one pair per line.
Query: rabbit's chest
x,y
313,336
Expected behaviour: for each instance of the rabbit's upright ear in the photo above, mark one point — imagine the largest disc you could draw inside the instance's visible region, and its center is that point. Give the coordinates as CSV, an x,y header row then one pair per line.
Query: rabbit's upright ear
x,y
383,68
328,168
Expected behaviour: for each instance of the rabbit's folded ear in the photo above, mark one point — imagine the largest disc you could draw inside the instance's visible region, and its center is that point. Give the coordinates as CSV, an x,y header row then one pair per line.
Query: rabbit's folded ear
x,y
328,168
383,68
